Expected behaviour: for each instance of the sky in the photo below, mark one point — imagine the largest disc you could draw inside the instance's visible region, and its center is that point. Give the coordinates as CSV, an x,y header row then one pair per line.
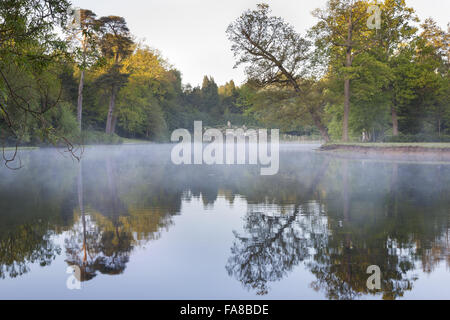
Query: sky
x,y
191,36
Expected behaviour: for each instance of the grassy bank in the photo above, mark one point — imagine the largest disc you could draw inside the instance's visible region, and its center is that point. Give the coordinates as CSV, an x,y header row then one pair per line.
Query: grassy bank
x,y
87,138
135,141
436,151
432,145
20,148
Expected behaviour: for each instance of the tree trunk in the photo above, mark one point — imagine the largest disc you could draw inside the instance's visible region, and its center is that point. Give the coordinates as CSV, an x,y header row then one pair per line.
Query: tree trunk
x,y
80,99
318,122
113,126
316,117
112,104
346,110
439,127
348,63
394,121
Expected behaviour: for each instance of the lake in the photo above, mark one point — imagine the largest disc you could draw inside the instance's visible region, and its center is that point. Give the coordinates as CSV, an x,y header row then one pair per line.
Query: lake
x,y
135,226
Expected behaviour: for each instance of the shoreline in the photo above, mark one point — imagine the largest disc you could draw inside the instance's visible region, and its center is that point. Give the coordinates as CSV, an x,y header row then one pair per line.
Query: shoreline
x,y
409,151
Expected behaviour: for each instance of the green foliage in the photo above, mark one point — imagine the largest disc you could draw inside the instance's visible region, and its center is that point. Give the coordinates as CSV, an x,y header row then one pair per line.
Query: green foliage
x,y
99,137
274,54
396,73
31,55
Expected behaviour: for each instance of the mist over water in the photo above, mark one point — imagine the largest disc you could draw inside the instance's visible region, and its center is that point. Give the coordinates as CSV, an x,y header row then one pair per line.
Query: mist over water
x,y
140,227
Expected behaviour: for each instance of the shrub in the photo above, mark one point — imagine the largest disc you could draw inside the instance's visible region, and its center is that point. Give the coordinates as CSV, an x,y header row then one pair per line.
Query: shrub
x,y
98,137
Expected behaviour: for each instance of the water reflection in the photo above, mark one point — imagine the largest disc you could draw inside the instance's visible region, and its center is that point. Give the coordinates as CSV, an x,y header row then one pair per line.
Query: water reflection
x,y
272,246
95,243
331,217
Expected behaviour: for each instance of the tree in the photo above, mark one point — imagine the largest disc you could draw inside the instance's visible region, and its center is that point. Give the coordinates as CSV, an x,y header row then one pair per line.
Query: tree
x,y
141,99
273,52
340,35
229,95
419,85
116,45
29,44
85,41
434,51
210,96
396,30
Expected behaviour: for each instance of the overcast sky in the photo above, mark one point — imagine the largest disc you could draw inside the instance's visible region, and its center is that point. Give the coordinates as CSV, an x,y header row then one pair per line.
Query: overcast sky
x,y
191,33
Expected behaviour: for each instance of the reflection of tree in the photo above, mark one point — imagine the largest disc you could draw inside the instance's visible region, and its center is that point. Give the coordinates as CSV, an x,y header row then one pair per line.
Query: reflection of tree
x,y
341,270
275,242
30,203
102,240
340,267
29,243
434,252
374,216
381,219
102,245
268,252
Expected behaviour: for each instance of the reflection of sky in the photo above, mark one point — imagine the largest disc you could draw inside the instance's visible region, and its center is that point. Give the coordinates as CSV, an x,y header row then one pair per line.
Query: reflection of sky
x,y
188,261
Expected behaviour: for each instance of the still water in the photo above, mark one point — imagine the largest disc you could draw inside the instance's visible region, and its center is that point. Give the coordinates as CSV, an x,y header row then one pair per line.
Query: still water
x,y
139,227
